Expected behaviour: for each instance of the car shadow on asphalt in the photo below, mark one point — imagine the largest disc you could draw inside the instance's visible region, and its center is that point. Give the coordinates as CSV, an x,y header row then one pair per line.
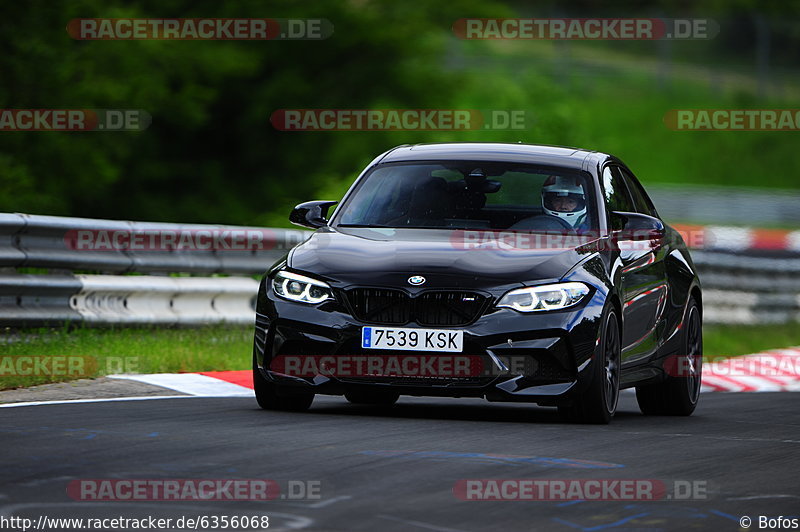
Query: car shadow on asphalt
x,y
468,410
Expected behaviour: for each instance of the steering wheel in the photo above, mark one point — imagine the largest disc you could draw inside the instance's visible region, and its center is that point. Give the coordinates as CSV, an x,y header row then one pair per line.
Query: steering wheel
x,y
543,222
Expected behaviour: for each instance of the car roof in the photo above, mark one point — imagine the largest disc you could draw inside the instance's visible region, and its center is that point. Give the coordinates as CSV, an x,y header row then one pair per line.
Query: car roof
x,y
491,151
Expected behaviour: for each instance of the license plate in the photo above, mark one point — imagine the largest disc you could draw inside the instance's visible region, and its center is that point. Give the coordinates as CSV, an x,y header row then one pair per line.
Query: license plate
x,y
403,339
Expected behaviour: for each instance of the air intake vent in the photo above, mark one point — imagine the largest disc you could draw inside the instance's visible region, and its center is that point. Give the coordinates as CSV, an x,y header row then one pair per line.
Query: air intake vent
x,y
434,308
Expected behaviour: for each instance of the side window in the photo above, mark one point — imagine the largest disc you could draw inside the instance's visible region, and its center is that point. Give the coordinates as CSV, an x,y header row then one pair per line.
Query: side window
x,y
615,191
641,201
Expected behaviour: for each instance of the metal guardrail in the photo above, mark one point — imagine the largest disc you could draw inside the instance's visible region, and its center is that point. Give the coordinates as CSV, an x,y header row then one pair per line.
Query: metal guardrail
x,y
53,242
37,299
85,285
46,300
749,290
100,295
726,205
143,300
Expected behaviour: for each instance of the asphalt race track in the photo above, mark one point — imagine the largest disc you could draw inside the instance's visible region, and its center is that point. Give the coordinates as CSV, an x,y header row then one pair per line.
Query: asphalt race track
x,y
395,469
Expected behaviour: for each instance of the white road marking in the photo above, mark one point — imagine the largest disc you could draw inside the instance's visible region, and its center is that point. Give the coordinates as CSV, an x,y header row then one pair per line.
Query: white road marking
x,y
106,400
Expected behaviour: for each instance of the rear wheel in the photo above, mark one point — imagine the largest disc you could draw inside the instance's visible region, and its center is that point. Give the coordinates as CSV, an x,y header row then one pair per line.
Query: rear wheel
x,y
268,398
678,394
599,402
370,397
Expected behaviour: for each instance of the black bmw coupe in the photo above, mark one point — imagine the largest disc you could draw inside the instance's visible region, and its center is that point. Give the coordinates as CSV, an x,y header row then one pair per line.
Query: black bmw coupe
x,y
511,272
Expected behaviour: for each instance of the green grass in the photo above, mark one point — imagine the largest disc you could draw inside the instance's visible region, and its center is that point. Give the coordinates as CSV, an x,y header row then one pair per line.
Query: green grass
x,y
129,350
732,340
161,350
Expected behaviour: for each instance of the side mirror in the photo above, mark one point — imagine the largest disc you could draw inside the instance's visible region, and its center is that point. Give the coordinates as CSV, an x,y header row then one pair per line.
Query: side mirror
x,y
311,214
636,226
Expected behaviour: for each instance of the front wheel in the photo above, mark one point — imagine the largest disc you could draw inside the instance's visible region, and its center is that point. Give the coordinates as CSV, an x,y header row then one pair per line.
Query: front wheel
x,y
678,394
599,402
268,398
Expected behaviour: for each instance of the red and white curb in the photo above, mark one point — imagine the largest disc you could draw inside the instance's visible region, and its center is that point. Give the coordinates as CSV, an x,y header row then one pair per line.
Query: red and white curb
x,y
776,370
210,384
732,238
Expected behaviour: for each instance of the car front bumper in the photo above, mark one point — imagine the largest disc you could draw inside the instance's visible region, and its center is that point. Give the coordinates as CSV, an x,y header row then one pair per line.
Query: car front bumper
x,y
541,357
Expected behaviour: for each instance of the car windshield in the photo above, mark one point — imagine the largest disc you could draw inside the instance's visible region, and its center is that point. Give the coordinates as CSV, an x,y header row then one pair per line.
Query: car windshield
x,y
471,195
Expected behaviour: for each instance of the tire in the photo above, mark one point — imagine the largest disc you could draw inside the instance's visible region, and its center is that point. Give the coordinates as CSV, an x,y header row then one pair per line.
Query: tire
x,y
678,394
598,403
268,398
369,397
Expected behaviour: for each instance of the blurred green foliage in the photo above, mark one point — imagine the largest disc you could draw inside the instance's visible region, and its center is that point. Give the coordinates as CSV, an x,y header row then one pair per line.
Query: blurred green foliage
x,y
212,156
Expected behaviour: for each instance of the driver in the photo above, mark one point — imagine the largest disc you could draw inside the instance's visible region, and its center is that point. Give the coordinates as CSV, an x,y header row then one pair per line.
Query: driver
x,y
563,197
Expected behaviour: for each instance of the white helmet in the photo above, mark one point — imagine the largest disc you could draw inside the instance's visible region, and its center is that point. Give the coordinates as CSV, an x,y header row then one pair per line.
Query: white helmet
x,y
564,187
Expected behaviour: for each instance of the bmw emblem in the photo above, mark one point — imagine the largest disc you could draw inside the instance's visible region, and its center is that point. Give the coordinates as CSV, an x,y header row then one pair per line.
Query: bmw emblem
x,y
416,280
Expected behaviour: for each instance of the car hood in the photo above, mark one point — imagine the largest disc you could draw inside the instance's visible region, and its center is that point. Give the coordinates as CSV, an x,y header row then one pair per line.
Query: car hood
x,y
446,258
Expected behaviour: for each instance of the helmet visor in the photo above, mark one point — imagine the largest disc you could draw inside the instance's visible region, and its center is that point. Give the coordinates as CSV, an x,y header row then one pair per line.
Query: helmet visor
x,y
560,202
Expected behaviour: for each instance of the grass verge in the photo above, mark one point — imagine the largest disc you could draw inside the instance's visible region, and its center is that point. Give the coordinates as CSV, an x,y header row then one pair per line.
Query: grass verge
x,y
733,340
97,352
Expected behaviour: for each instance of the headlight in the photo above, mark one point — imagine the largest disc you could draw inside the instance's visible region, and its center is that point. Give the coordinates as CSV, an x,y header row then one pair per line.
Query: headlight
x,y
547,297
300,288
